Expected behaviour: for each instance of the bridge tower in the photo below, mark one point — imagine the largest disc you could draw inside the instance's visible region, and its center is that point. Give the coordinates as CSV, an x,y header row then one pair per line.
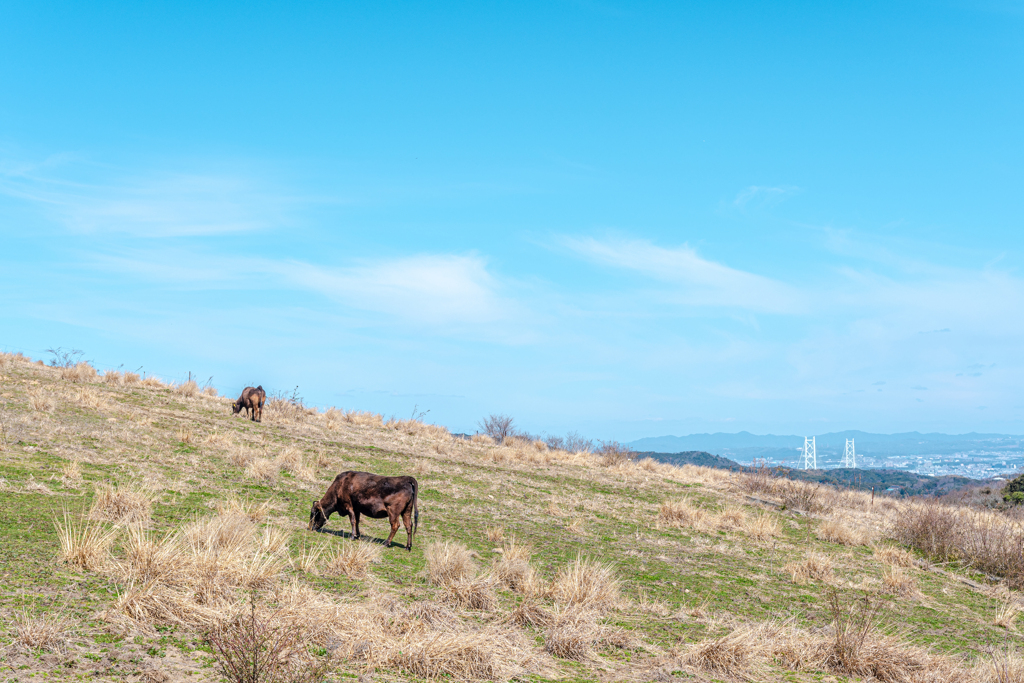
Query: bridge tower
x,y
849,455
810,454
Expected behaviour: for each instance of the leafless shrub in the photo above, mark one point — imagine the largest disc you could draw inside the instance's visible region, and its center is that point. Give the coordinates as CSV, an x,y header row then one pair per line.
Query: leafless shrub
x,y
47,633
575,442
121,503
613,454
498,427
1006,667
64,358
256,648
759,478
801,495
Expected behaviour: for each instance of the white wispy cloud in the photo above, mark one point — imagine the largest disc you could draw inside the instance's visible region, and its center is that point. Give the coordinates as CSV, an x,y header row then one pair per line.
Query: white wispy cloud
x,y
763,195
696,281
168,204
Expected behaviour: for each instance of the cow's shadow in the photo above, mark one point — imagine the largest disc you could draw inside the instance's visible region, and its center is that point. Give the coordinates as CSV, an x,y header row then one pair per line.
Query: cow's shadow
x,y
348,534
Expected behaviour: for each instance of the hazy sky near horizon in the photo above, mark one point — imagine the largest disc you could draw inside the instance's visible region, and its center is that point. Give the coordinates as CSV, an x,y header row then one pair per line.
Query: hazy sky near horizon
x,y
627,219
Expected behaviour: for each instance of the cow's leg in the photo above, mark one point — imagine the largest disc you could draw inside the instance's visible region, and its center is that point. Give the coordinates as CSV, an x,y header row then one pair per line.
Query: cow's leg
x,y
354,516
395,524
407,520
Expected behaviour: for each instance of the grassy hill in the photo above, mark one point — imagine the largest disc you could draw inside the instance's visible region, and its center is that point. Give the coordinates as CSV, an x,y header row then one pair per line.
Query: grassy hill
x,y
146,534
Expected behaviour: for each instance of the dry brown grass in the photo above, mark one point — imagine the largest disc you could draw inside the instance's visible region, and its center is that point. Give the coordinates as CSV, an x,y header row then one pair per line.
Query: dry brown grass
x,y
482,439
514,570
762,526
1005,667
899,581
364,418
186,436
153,382
125,503
291,460
48,634
837,531
587,584
477,592
890,554
308,560
130,379
71,474
734,654
233,505
448,562
683,513
80,372
816,566
210,392
187,389
262,469
1006,616
41,401
83,544
529,613
354,558
572,634
495,534
113,378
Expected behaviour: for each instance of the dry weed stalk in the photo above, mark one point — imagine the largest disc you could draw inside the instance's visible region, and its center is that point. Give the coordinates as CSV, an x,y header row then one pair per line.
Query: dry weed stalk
x,y
186,436
121,503
683,513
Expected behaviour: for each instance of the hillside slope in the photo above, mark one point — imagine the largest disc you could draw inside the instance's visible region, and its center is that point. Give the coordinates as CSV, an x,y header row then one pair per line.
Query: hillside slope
x,y
178,520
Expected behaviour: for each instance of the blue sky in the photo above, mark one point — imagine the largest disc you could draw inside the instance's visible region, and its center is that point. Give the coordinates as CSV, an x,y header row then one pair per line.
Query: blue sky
x,y
627,219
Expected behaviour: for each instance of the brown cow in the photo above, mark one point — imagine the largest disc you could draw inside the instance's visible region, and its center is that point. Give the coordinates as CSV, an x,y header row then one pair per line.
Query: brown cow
x,y
362,493
252,400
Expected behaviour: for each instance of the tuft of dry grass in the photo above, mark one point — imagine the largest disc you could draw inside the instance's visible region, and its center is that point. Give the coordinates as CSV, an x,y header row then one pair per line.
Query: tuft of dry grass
x,y
71,474
121,504
130,379
733,654
683,513
815,566
448,562
308,560
514,570
1007,615
262,469
472,593
41,401
187,389
290,459
587,584
210,392
530,614
762,526
898,581
495,534
113,378
236,506
572,634
186,436
837,531
482,439
80,372
48,634
1005,667
353,559
153,382
890,554
84,544
365,418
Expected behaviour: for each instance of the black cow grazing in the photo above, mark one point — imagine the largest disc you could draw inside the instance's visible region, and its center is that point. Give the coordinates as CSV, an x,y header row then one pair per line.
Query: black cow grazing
x,y
362,493
252,400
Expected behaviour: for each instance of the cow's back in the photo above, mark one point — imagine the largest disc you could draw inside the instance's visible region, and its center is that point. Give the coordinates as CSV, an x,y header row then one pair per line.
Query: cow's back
x,y
358,486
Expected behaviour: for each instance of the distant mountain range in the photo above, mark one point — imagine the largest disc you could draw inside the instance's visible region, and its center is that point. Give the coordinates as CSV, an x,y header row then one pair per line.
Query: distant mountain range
x,y
744,447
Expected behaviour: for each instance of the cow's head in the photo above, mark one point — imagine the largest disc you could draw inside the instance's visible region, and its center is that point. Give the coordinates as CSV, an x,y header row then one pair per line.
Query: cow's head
x,y
236,407
317,517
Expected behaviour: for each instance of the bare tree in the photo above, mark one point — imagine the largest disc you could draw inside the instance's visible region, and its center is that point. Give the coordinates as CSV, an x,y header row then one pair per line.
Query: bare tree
x,y
498,427
615,453
64,359
577,443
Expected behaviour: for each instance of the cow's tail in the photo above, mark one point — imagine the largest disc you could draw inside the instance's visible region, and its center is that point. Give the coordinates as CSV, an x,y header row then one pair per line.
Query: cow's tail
x,y
415,512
